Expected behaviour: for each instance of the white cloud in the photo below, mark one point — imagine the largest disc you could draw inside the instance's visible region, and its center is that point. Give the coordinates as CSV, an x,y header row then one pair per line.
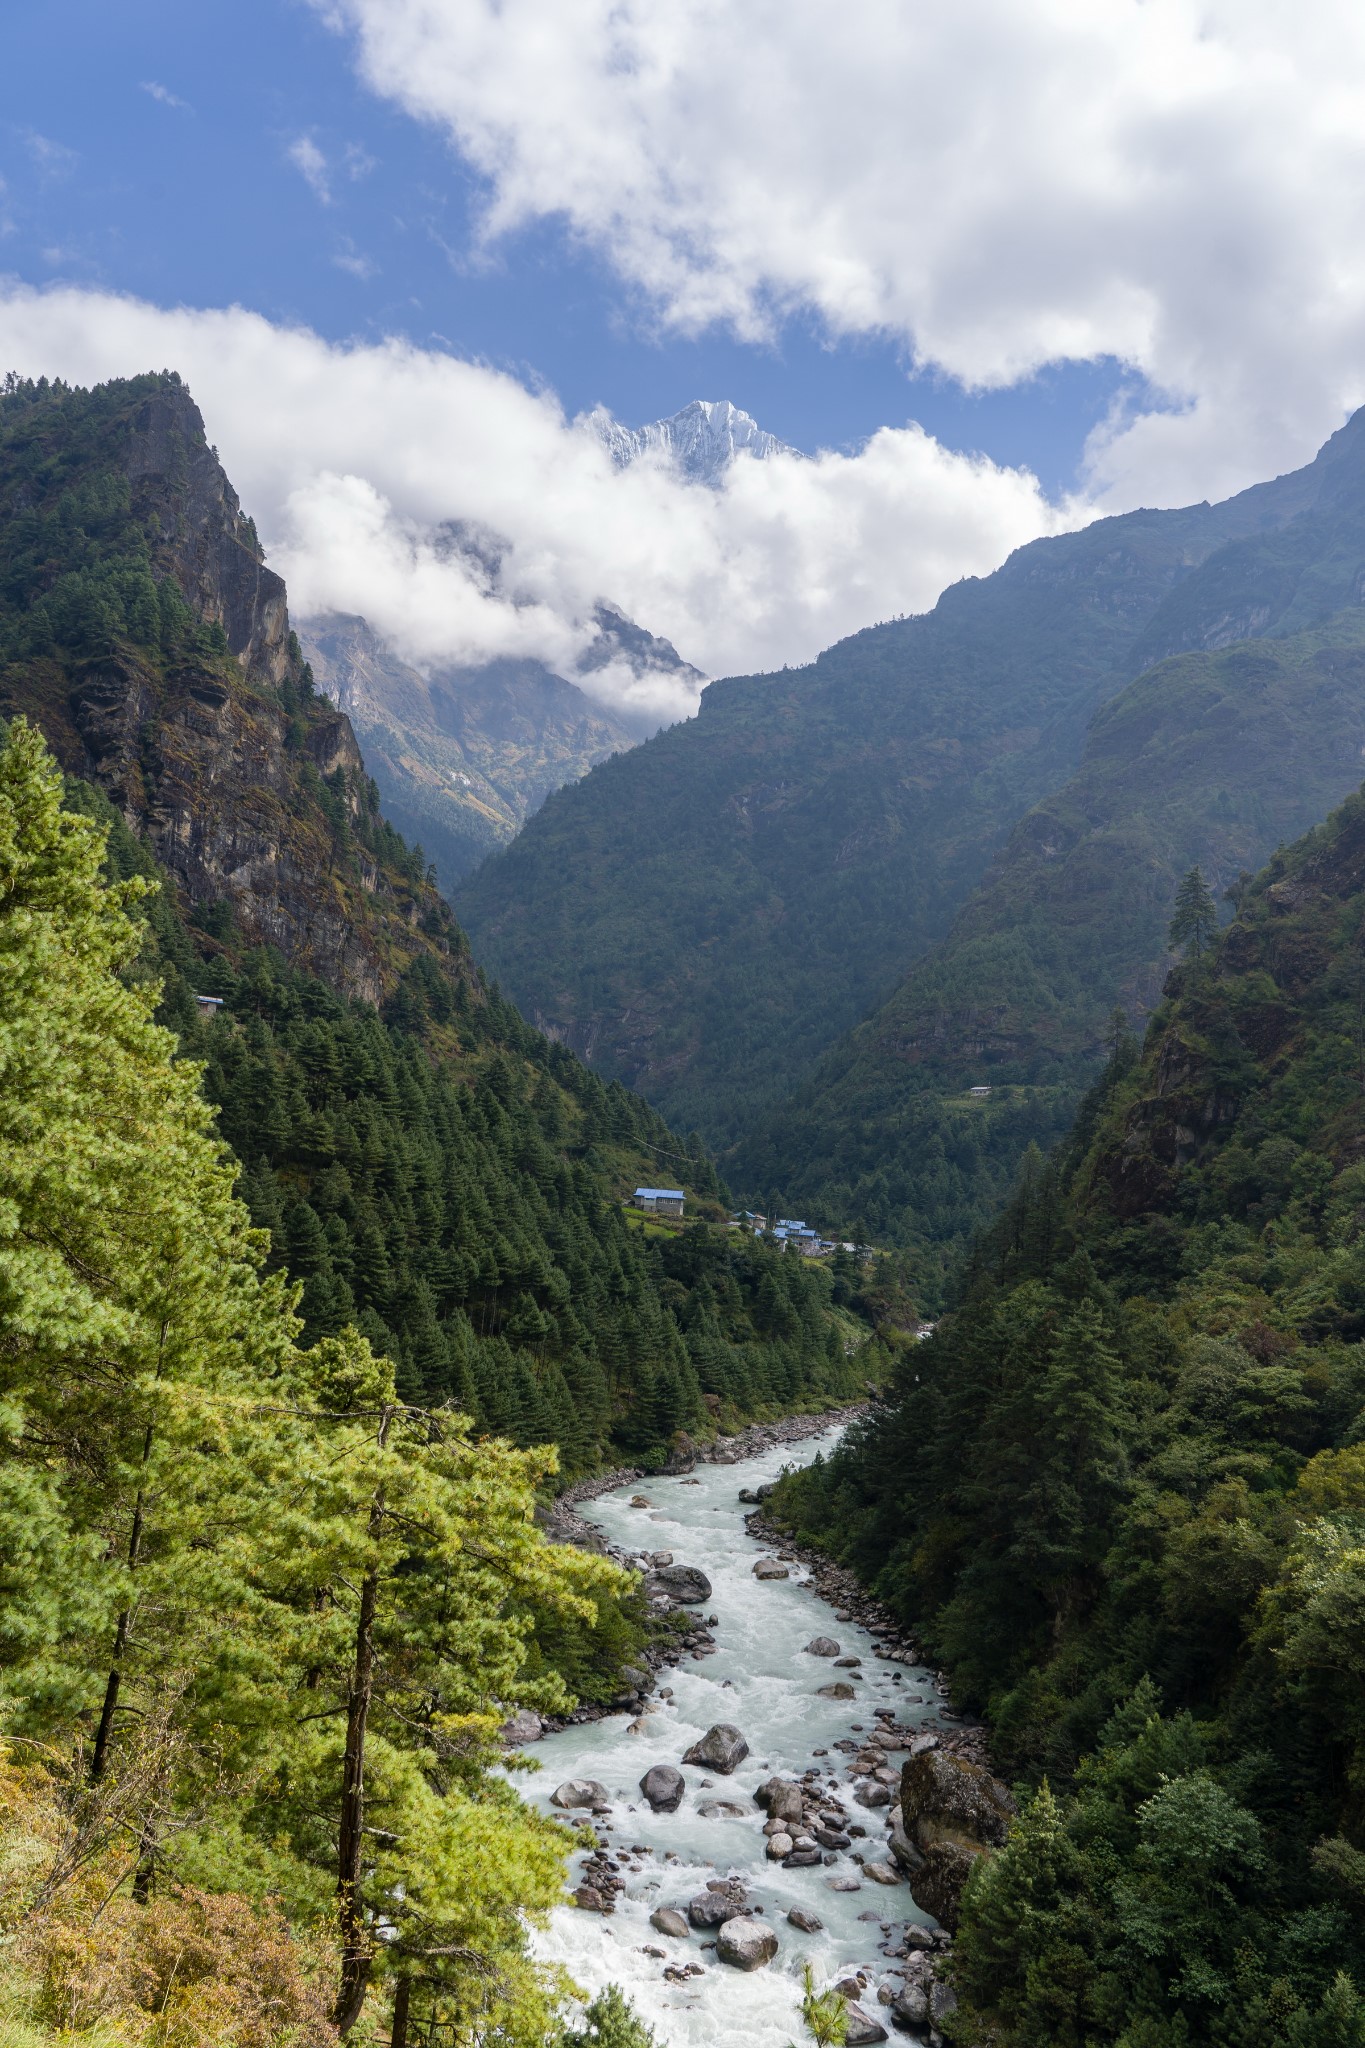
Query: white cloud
x,y
164,96
306,157
355,461
1175,183
347,257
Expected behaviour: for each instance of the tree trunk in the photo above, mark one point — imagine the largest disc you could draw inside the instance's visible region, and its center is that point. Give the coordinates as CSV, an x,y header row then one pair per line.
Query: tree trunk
x,y
402,1994
104,1732
355,1947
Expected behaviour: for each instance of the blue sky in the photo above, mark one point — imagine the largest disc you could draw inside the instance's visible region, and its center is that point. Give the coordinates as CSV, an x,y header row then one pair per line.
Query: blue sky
x,y
1120,236
200,203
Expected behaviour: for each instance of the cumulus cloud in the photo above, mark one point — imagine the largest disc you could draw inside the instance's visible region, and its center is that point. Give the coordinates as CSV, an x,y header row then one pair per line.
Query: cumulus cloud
x,y
466,516
1173,183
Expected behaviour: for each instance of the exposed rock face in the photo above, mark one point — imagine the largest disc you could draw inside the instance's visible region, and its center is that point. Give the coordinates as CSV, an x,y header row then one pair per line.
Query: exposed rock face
x,y
663,1786
682,1585
720,1749
746,1944
953,1813
219,758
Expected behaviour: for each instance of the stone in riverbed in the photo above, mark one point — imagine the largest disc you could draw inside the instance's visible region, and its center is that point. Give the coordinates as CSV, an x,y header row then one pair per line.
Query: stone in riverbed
x,y
882,1873
802,1859
860,2028
682,1585
770,1568
745,1944
523,1727
720,1749
663,1786
590,1900
844,1884
722,1809
911,2006
714,1908
822,1646
781,1798
873,1794
954,1813
808,1923
579,1792
779,1846
840,1690
668,1920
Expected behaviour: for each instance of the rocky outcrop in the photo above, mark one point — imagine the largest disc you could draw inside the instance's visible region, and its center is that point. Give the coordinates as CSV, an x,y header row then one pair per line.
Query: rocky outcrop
x,y
953,1812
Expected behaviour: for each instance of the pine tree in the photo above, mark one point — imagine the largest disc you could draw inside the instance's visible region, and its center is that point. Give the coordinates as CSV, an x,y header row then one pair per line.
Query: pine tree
x,y
1194,920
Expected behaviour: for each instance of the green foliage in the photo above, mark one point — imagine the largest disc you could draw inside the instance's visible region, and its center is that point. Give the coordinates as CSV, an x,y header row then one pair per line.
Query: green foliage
x,y
263,1618
1194,920
1185,765
609,2022
824,2013
1121,1491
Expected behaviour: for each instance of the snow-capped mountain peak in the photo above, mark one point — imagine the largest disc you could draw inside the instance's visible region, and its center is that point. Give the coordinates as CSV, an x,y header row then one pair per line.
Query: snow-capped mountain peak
x,y
702,440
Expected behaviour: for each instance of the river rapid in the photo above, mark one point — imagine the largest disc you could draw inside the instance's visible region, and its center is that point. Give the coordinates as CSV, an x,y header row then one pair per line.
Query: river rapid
x,y
761,1679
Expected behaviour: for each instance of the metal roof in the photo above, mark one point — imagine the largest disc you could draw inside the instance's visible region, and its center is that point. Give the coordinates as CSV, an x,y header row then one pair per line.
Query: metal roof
x,y
656,1194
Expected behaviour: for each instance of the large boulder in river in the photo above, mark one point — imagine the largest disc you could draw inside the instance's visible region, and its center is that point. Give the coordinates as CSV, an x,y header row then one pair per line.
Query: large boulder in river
x,y
523,1727
682,1585
954,1813
717,1904
745,1944
663,1786
720,1749
860,2028
770,1568
581,1792
822,1646
781,1797
668,1920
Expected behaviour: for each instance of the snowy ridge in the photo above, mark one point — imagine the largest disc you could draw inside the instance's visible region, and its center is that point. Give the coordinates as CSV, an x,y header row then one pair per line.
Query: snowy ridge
x,y
702,440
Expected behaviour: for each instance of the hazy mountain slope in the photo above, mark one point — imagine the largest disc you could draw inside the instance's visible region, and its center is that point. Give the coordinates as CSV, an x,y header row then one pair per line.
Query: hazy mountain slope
x,y
1213,758
464,756
706,915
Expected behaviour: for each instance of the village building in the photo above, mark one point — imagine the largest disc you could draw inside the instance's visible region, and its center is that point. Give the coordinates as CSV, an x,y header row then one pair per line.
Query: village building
x,y
979,1091
660,1201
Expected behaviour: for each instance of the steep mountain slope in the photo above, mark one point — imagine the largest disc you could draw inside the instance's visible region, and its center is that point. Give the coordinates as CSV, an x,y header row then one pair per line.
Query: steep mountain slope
x,y
464,756
425,1163
1122,1491
704,916
701,441
141,630
1208,758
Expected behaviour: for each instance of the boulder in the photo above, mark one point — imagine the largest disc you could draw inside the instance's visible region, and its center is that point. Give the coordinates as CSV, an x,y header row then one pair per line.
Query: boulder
x,y
712,1909
745,1944
637,1500
682,1585
860,2027
770,1568
804,1858
779,1846
809,1923
635,1678
844,1884
911,2006
942,2001
822,1646
720,1749
781,1798
589,1900
870,1793
954,1813
668,1920
882,1873
523,1727
659,1558
663,1786
580,1792
903,1850
722,1809
840,1690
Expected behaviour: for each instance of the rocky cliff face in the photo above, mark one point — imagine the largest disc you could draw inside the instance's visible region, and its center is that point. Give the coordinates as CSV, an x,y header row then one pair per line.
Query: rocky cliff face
x,y
203,731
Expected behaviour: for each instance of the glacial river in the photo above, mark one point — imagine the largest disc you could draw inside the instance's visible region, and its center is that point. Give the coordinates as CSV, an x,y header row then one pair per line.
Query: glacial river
x,y
760,1679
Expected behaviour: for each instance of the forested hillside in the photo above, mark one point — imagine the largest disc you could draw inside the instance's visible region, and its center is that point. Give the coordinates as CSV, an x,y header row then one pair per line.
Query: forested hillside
x,y
1121,1491
1210,759
705,916
426,1165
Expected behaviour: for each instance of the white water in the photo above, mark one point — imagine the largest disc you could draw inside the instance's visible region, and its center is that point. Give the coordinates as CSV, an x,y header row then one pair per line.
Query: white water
x,y
771,1697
